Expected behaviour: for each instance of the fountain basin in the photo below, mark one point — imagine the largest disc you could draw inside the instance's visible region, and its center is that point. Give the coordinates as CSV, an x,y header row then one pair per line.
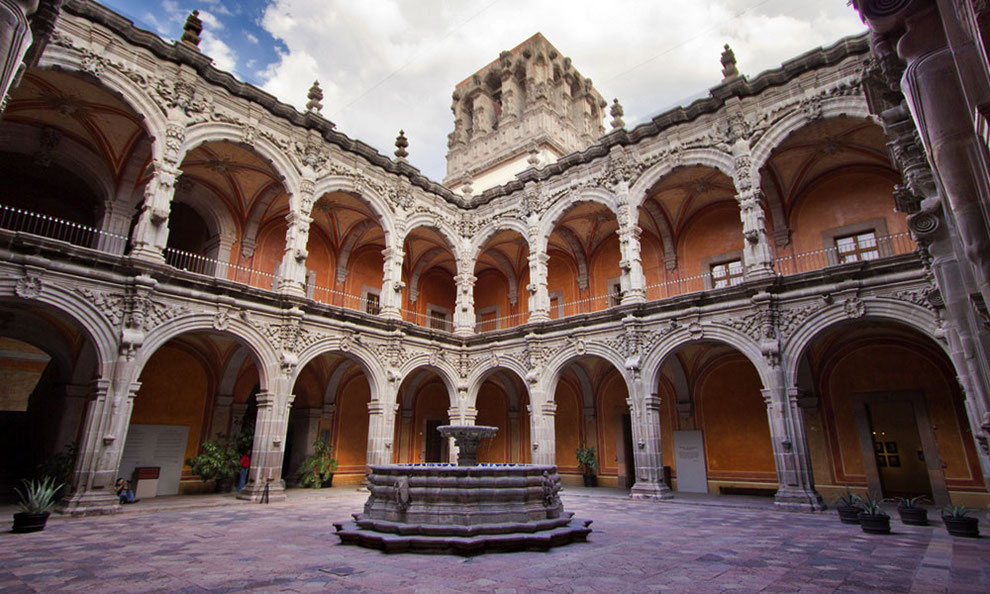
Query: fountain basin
x,y
445,508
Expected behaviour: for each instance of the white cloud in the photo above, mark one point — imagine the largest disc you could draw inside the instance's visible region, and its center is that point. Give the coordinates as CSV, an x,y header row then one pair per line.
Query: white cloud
x,y
251,37
389,64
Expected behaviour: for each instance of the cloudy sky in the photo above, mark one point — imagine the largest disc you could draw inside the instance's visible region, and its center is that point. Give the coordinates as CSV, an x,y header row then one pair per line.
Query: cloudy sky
x,y
391,64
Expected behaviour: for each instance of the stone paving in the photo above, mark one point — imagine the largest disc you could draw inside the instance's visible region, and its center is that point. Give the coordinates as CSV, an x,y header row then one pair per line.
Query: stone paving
x,y
636,546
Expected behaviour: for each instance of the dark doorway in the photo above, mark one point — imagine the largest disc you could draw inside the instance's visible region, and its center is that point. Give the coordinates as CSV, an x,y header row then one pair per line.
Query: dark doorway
x,y
433,442
898,448
627,465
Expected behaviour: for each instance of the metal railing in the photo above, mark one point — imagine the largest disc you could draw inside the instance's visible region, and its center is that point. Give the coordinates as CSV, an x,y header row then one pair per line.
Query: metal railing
x,y
329,296
443,324
25,221
501,322
875,249
197,264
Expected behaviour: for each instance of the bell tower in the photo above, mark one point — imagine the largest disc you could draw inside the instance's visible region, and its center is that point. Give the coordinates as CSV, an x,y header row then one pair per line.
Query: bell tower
x,y
528,108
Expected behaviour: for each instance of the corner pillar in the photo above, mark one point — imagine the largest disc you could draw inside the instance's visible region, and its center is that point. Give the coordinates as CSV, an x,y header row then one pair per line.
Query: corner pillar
x,y
543,432
757,255
151,231
539,294
381,431
796,482
633,279
392,285
15,39
268,450
647,456
291,274
464,309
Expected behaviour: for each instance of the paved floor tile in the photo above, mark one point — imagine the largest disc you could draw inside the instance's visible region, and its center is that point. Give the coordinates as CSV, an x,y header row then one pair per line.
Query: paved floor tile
x,y
636,546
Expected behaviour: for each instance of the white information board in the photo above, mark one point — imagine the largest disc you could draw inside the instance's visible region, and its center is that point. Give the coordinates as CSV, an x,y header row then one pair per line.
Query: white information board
x,y
689,455
156,445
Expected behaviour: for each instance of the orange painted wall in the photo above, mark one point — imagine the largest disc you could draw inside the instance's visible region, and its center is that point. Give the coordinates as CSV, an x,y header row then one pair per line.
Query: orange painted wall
x,y
733,418
246,381
267,255
842,199
668,424
612,394
364,269
567,426
436,287
891,367
715,230
321,258
174,391
308,389
562,276
351,435
493,409
492,288
651,253
604,266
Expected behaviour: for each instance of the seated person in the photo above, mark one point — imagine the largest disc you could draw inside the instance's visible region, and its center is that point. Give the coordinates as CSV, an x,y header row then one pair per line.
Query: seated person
x,y
124,492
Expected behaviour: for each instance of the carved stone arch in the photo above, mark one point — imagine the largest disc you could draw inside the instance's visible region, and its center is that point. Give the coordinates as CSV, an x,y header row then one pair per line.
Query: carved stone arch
x,y
504,266
573,351
666,234
567,201
488,231
228,377
421,219
580,256
384,214
333,384
797,118
218,219
344,254
129,91
587,389
254,218
711,157
888,310
487,370
415,380
444,370
38,332
70,155
654,360
422,265
263,352
222,132
358,353
103,333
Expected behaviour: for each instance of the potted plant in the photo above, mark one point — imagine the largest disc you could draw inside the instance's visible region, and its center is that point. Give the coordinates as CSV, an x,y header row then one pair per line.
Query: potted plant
x,y
588,462
316,471
911,512
958,521
36,502
219,461
872,519
849,505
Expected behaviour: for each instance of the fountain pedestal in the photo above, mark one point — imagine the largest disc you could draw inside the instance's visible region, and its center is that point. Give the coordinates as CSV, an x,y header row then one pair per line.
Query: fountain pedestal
x,y
463,509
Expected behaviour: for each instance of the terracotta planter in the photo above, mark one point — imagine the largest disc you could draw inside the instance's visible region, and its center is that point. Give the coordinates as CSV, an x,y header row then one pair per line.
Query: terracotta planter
x,y
913,516
969,527
28,522
590,480
878,524
849,514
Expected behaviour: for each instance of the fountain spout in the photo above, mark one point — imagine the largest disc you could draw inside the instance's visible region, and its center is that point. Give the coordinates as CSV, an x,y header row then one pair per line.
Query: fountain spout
x,y
467,438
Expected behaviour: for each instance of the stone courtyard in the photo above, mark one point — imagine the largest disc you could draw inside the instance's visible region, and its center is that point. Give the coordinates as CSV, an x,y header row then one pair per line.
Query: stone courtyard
x,y
217,544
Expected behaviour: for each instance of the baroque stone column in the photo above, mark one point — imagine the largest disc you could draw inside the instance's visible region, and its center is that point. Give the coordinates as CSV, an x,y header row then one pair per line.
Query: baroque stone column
x,y
100,448
464,309
15,39
647,457
268,450
633,279
539,295
757,255
392,285
151,231
381,430
543,430
796,490
292,270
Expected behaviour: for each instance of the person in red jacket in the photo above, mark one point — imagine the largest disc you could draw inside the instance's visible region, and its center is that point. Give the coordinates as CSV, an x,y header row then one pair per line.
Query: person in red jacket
x,y
245,467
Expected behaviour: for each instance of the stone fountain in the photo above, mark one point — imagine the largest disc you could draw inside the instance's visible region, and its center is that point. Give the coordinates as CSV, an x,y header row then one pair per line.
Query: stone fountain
x,y
467,508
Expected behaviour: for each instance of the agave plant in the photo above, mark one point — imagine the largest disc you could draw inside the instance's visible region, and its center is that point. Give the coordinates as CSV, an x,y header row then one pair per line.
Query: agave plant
x,y
956,512
911,502
871,505
38,496
848,499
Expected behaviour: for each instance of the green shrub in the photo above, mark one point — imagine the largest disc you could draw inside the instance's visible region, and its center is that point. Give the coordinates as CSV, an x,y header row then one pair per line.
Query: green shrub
x,y
317,470
587,460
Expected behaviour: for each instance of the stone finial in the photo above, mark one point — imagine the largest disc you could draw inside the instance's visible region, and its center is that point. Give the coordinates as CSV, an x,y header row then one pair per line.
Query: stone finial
x,y
729,70
315,95
192,29
617,113
534,157
401,143
467,189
